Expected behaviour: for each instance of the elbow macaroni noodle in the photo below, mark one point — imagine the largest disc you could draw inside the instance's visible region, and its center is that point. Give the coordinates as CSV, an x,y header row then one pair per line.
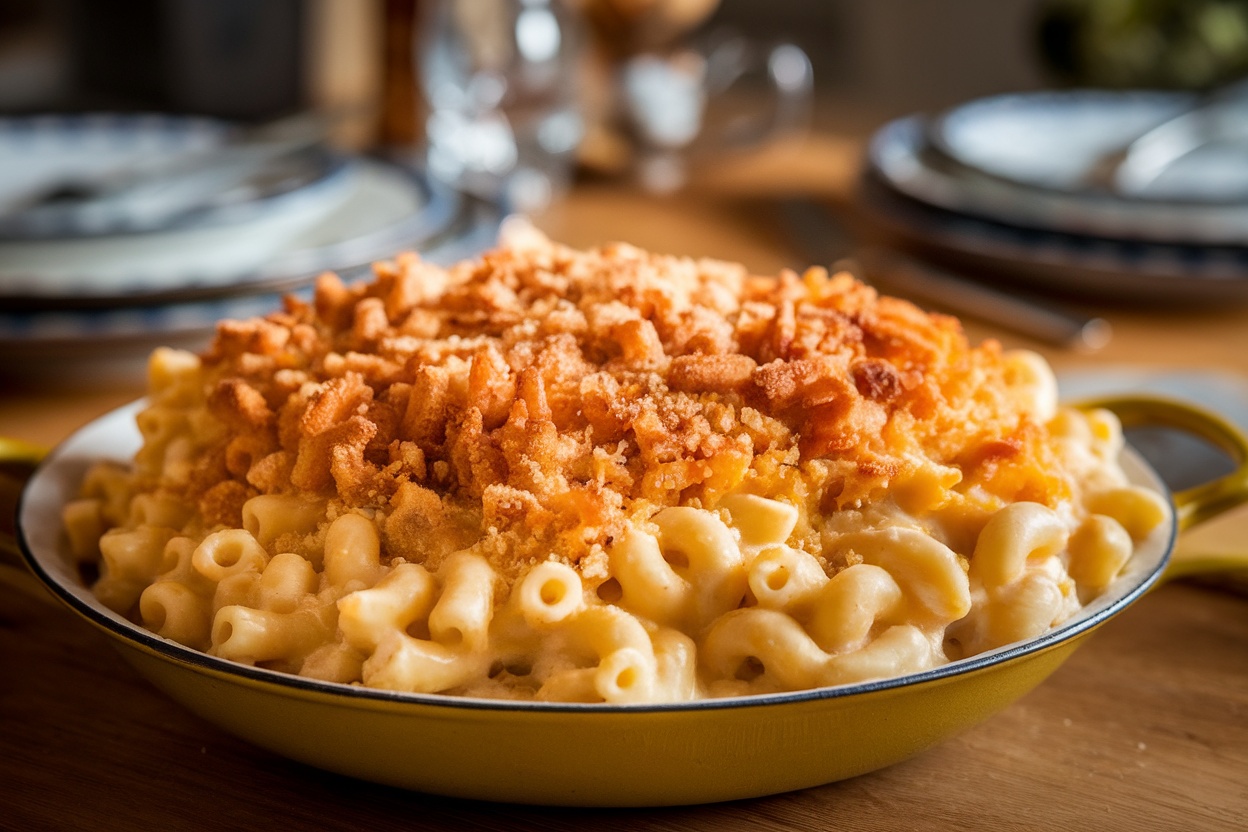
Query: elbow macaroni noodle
x,y
705,602
754,590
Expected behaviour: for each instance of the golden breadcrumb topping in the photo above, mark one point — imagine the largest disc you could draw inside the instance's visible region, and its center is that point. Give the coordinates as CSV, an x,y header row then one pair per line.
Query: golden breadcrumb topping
x,y
534,400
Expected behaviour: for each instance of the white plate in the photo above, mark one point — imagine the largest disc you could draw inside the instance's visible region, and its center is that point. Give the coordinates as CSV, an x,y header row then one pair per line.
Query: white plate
x,y
1009,159
1050,139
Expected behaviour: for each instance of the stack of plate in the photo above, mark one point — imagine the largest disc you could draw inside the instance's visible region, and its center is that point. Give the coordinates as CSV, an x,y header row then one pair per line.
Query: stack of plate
x,y
83,294
1002,186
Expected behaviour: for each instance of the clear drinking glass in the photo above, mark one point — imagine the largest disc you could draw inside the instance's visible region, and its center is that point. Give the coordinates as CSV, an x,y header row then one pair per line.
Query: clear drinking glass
x,y
500,78
699,104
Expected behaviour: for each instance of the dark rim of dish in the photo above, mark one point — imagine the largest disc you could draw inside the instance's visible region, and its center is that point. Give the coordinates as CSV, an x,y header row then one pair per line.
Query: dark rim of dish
x,y
171,650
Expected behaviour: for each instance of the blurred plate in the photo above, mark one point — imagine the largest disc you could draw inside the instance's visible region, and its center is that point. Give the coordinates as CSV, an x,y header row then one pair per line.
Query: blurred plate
x,y
44,155
1018,159
374,208
1050,139
103,345
1104,268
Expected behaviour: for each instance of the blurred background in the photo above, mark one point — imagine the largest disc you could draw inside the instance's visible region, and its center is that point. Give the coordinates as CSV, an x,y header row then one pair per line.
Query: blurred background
x,y
168,163
247,60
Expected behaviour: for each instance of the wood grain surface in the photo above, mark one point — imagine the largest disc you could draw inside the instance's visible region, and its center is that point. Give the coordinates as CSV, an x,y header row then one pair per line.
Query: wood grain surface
x,y
1146,727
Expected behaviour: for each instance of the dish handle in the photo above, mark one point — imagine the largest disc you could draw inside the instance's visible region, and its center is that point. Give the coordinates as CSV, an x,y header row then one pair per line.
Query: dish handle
x,y
1202,502
18,460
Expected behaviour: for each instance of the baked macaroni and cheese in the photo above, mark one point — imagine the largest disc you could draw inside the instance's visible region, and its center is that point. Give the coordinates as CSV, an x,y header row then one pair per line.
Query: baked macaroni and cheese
x,y
605,476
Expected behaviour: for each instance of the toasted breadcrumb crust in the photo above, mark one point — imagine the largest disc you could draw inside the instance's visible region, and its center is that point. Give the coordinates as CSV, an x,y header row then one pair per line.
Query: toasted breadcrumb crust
x,y
534,401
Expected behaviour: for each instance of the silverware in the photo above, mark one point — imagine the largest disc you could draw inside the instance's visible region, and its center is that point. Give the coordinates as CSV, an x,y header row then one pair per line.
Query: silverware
x,y
820,238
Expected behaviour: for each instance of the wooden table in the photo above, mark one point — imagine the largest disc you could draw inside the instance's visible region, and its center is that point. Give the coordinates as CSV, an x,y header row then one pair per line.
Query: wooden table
x,y
1146,727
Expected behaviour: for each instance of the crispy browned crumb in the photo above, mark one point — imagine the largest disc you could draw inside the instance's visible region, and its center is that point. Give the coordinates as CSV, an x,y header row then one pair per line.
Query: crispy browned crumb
x,y
538,397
